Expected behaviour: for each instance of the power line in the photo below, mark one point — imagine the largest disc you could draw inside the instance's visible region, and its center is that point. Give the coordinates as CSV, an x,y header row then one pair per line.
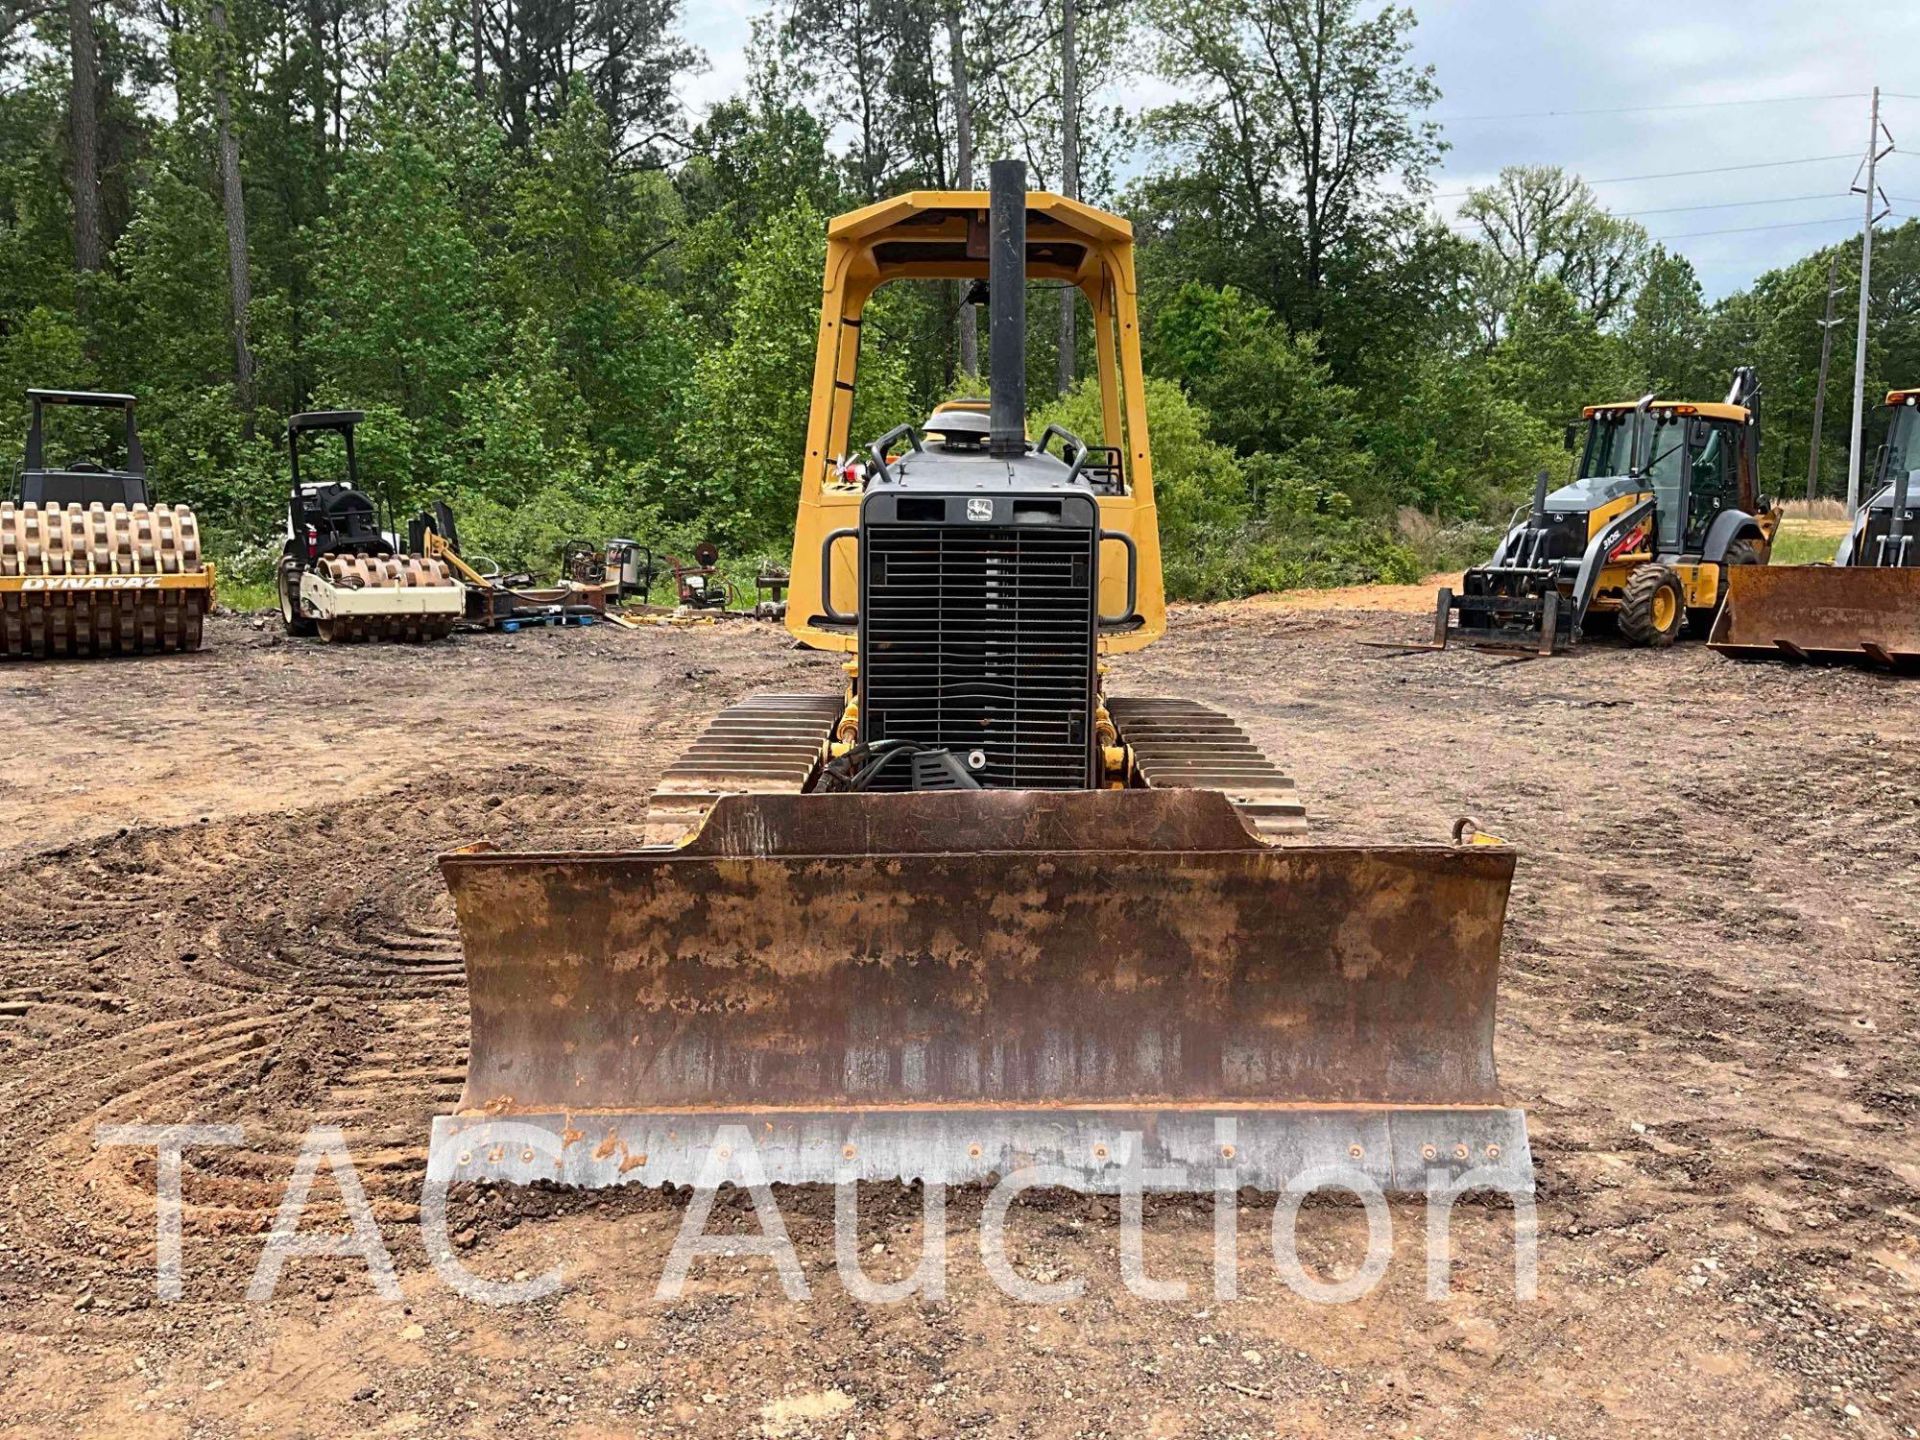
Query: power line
x,y
1733,204
1646,109
1749,229
1682,174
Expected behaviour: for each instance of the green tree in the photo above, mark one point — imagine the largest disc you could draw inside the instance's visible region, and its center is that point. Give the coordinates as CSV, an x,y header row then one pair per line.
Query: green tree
x,y
1554,359
409,319
1299,127
1666,333
746,430
1538,221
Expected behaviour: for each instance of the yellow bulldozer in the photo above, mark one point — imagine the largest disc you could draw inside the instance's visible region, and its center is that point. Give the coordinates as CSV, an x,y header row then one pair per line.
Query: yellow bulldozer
x,y
1865,606
1665,506
977,910
88,565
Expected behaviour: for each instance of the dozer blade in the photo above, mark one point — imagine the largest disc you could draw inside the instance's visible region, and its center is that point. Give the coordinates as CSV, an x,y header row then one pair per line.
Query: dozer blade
x,y
1865,614
952,985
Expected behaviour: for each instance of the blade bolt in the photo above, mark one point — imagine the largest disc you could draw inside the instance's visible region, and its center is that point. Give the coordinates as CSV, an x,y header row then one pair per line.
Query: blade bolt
x,y
1429,1152
527,1156
973,1152
1227,1152
1099,1152
1493,1152
848,1152
466,1157
1355,1152
1459,1152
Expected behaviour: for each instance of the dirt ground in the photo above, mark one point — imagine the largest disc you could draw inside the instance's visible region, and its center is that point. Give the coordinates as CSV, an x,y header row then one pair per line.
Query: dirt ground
x,y
218,903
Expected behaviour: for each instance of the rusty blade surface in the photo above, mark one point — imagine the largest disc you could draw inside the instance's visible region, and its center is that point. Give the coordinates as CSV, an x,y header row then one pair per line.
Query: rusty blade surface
x,y
1868,615
993,948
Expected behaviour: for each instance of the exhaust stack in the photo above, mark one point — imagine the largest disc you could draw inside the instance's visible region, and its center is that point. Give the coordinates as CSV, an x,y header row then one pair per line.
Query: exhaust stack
x,y
1007,309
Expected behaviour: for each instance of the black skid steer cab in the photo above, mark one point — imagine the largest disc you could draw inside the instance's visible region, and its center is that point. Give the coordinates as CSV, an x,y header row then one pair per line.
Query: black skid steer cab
x,y
1665,504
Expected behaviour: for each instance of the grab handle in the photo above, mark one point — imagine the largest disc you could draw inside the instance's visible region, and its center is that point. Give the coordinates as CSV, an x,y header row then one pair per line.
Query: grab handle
x,y
826,574
1132,612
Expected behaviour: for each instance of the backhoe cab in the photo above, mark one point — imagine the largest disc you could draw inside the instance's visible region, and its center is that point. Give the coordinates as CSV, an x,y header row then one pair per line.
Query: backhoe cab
x,y
1666,501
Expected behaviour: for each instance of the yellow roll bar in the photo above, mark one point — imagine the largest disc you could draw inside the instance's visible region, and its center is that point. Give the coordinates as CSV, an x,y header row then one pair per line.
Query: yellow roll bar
x,y
942,235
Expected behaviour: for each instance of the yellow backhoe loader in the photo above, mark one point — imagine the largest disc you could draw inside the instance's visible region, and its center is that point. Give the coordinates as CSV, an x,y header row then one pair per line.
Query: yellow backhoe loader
x,y
1665,507
1865,606
978,911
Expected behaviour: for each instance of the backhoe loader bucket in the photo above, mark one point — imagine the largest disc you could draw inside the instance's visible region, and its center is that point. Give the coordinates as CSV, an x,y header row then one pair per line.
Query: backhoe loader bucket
x,y
1860,613
952,985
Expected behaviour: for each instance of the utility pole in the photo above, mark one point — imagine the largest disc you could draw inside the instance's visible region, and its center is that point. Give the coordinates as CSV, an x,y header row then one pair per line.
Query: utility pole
x,y
1820,390
1874,156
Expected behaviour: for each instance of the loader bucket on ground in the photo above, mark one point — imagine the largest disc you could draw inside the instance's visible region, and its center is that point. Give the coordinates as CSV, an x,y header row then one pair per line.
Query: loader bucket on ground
x,y
1866,614
951,985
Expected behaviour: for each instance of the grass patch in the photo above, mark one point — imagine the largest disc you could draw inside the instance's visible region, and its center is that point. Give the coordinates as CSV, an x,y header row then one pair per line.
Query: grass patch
x,y
247,594
1806,542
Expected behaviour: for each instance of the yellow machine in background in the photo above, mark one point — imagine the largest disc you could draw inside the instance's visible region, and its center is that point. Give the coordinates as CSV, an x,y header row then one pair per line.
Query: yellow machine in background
x,y
1865,606
88,566
973,910
1667,501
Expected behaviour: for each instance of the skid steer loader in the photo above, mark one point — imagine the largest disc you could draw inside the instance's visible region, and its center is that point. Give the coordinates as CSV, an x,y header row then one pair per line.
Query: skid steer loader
x,y
1865,606
976,912
1665,506
342,574
88,565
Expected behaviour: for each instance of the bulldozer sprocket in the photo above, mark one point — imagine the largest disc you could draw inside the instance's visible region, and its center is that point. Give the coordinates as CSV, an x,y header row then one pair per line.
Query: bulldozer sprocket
x,y
948,985
97,581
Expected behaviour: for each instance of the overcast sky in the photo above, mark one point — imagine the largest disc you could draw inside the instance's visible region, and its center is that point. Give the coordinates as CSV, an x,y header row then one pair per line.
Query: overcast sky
x,y
1507,58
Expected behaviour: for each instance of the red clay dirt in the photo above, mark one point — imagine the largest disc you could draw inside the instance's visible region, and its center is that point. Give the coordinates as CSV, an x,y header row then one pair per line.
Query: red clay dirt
x,y
218,903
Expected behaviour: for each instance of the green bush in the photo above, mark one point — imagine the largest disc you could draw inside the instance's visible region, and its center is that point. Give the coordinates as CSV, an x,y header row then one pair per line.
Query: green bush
x,y
1231,526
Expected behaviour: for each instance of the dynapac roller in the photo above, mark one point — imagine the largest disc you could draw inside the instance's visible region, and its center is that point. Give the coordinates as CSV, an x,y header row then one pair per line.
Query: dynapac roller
x,y
980,911
88,565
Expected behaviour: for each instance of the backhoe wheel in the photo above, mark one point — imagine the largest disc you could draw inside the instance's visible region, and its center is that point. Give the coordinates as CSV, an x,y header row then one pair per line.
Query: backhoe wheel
x,y
1745,551
290,617
1654,608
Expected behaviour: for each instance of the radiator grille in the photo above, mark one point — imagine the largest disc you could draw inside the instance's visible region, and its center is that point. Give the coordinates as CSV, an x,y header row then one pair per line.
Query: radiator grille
x,y
981,637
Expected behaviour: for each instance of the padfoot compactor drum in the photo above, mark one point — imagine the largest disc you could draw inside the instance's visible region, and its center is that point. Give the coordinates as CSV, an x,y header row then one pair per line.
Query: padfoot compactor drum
x,y
342,574
1864,608
88,566
974,913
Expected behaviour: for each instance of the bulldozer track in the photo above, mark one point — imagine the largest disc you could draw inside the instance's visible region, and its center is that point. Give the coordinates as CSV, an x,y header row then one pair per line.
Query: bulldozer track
x,y
65,547
769,744
766,744
1182,744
